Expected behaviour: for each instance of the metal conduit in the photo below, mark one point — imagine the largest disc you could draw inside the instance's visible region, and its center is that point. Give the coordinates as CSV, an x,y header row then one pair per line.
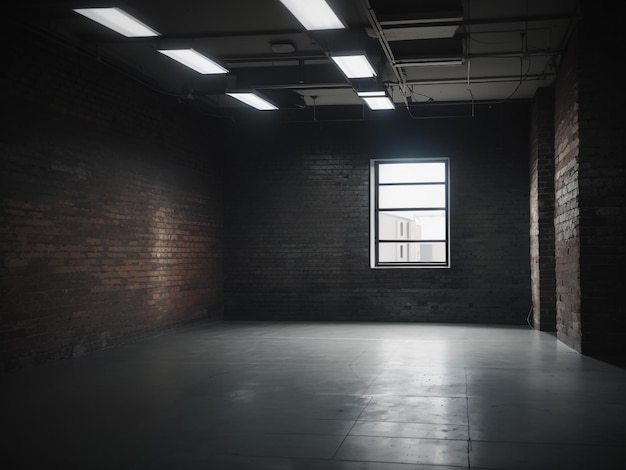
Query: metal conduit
x,y
386,49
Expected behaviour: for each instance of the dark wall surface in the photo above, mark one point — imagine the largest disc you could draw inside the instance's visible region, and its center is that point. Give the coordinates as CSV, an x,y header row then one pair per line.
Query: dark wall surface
x,y
297,220
602,183
111,208
590,183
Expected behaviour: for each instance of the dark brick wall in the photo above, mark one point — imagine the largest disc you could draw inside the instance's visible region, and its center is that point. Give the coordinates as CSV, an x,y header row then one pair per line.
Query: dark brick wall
x,y
567,204
297,220
542,211
602,183
590,184
111,208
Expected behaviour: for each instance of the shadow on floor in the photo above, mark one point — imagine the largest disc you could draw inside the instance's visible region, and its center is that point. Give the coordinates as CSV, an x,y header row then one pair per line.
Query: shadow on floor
x,y
613,359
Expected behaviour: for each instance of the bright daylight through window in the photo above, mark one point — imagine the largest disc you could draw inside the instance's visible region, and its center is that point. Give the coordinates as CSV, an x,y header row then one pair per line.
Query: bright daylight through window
x,y
410,213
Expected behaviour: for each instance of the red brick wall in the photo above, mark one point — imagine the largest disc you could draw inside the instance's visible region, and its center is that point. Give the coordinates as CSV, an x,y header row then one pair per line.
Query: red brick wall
x,y
111,208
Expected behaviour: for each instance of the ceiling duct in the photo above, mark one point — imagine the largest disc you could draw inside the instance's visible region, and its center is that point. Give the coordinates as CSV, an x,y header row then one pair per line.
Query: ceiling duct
x,y
427,33
402,12
421,31
404,33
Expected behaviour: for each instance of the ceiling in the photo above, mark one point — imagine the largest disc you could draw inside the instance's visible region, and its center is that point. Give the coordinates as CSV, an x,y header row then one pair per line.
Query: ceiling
x,y
427,53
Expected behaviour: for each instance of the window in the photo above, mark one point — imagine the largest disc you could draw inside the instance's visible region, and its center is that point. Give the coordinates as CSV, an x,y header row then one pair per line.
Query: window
x,y
410,213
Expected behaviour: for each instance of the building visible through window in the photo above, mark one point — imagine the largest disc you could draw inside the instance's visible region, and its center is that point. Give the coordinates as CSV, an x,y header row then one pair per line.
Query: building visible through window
x,y
410,213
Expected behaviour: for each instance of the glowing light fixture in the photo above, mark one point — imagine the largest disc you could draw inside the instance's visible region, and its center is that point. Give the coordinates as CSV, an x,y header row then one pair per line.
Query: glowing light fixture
x,y
118,20
314,14
368,94
194,60
254,100
376,103
376,100
354,66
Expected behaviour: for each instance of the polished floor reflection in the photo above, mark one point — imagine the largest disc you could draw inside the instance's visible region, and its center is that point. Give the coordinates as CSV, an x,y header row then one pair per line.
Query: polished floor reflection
x,y
321,396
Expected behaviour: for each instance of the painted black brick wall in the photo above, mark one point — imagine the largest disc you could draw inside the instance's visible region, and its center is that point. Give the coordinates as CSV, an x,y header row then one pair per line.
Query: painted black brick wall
x,y
297,220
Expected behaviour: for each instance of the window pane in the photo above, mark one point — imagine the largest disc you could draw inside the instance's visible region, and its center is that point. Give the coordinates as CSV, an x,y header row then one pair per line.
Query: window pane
x,y
412,225
411,252
412,172
408,196
409,213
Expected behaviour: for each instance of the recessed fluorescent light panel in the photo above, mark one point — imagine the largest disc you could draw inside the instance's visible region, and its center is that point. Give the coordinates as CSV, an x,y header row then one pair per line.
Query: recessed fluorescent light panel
x,y
376,100
367,94
118,20
194,60
355,66
314,14
377,103
253,100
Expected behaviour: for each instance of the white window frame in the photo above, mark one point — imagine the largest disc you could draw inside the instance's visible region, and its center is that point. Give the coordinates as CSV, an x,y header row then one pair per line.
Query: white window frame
x,y
375,211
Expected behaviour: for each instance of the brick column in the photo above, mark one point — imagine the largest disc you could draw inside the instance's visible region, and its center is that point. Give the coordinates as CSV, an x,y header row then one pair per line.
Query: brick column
x,y
543,282
567,205
602,183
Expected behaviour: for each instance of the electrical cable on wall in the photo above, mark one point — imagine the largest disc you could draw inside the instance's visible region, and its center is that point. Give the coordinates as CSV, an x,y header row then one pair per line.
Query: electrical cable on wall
x,y
528,317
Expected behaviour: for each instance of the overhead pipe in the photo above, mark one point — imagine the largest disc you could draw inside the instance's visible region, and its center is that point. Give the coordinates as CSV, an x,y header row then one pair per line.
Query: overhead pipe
x,y
485,79
386,49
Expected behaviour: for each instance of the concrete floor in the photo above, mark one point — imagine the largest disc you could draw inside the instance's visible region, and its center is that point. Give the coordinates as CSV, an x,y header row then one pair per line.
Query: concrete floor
x,y
321,396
